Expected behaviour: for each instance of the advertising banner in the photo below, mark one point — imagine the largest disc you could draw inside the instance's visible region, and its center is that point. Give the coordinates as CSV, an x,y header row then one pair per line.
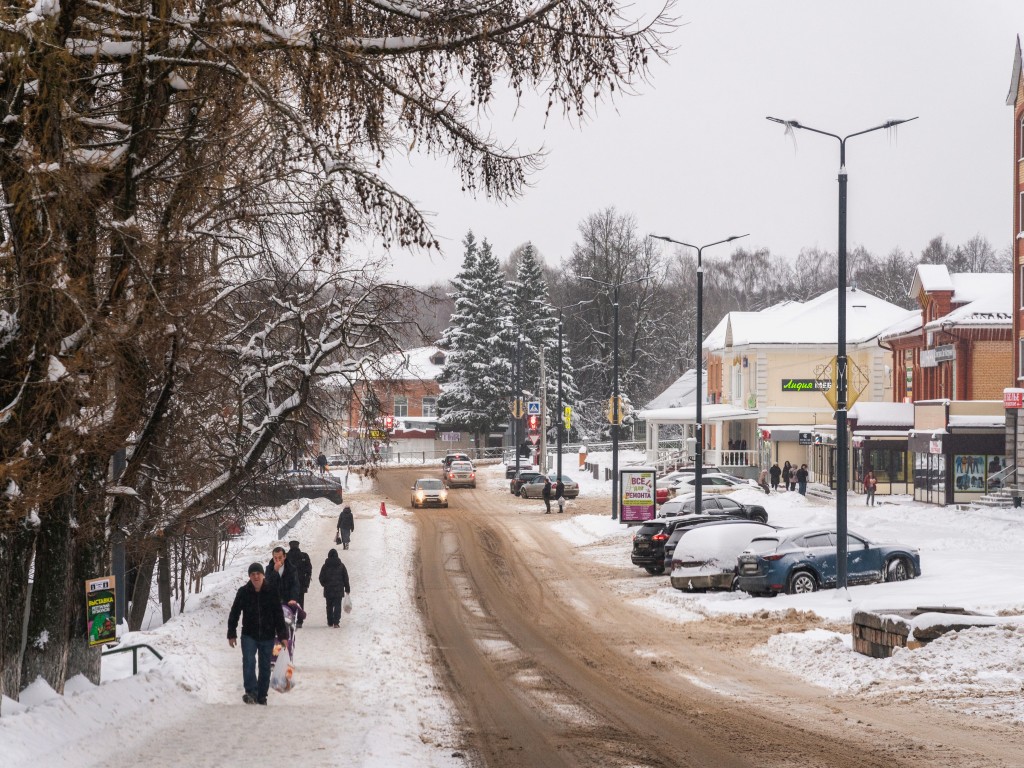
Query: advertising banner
x,y
100,610
637,494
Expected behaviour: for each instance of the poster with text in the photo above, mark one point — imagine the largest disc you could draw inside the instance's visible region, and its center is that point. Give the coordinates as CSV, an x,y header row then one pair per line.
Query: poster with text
x,y
636,495
100,610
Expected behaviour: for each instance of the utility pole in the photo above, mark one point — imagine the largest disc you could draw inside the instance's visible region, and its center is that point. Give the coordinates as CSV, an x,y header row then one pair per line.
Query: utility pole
x,y
542,459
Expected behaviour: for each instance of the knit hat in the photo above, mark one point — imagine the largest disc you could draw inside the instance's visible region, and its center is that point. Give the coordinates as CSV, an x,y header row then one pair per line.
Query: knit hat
x,y
256,568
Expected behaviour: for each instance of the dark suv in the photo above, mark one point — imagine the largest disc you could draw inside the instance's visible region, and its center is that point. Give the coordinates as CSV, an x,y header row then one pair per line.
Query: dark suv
x,y
649,543
449,458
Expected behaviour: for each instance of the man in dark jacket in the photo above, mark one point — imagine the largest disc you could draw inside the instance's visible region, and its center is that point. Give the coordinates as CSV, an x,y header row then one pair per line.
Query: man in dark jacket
x,y
334,578
262,623
546,494
346,525
560,494
283,578
304,568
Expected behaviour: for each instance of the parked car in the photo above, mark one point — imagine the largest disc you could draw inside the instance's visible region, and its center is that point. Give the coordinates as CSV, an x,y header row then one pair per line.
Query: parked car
x,y
454,456
668,484
712,482
429,491
534,489
460,474
510,465
649,543
801,560
525,476
723,505
705,556
689,521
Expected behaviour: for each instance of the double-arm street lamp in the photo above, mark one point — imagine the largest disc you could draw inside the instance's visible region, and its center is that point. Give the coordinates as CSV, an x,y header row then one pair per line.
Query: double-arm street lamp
x,y
842,379
698,459
616,415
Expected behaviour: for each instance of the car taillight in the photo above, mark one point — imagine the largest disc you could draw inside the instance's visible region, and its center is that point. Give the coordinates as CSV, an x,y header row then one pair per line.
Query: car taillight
x,y
472,475
659,537
772,558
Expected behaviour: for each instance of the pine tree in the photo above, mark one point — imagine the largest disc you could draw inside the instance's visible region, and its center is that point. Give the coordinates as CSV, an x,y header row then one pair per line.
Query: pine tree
x,y
476,376
536,325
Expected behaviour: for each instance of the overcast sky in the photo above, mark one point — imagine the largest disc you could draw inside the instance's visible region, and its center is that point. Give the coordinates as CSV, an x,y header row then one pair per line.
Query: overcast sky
x,y
693,157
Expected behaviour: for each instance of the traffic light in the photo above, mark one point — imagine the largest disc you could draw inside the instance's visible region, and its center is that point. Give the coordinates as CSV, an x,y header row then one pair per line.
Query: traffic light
x,y
532,422
389,422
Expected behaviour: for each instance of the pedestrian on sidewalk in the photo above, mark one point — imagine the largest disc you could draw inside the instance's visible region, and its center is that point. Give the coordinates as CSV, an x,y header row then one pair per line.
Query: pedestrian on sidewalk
x,y
870,483
801,478
762,480
776,474
546,494
334,579
346,525
304,569
262,624
560,494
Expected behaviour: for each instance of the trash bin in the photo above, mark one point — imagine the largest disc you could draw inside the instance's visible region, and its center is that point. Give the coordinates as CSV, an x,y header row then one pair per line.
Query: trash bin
x,y
583,456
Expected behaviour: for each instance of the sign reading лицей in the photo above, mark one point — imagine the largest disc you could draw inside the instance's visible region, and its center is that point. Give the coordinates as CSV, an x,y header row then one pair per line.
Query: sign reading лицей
x,y
100,610
637,494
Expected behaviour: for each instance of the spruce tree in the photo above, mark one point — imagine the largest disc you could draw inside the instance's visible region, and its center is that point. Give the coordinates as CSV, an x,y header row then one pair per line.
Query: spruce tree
x,y
476,376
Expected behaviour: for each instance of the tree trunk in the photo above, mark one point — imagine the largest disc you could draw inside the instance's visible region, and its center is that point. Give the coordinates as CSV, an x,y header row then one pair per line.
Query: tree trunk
x,y
46,651
17,546
140,594
91,559
164,581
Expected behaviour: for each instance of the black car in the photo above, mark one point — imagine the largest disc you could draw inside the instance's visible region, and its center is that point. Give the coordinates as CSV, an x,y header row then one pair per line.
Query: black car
x,y
510,466
449,458
525,476
649,540
724,506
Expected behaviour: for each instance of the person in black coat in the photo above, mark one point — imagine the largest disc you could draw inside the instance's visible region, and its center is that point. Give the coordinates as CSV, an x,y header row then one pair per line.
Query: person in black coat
x,y
283,578
334,578
346,525
546,494
776,474
560,494
304,568
262,624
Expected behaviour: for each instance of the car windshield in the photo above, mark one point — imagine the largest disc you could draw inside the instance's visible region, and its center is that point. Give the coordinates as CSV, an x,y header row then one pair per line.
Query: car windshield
x,y
429,485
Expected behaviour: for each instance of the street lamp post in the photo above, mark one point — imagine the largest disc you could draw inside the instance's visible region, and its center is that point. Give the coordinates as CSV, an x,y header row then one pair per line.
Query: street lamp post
x,y
616,416
842,380
698,459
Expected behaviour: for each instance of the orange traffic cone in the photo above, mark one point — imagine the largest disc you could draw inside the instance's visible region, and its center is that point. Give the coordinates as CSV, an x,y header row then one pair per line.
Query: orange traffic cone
x,y
383,509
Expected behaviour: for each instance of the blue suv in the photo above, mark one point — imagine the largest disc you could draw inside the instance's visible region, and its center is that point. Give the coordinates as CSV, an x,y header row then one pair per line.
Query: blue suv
x,y
799,560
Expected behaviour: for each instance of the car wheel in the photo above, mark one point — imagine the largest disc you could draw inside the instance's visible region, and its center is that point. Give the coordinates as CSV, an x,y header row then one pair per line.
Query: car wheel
x,y
522,493
446,505
801,583
655,570
898,569
735,586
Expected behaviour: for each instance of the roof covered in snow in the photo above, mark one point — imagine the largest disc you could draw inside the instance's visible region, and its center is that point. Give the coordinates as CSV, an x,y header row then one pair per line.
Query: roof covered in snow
x,y
883,414
810,322
682,391
417,364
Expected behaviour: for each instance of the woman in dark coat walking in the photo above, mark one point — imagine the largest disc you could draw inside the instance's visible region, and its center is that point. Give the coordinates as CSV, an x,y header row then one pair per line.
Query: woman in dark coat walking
x,y
346,524
334,579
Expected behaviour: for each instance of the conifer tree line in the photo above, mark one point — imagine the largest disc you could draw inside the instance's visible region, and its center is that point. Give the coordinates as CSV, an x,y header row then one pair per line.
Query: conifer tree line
x,y
657,315
180,184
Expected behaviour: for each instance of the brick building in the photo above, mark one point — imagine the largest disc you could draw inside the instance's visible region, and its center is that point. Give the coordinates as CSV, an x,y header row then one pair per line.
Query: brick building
x,y
960,347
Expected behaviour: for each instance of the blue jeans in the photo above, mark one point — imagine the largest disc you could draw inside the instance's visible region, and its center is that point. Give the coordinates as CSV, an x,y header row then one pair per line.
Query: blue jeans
x,y
251,648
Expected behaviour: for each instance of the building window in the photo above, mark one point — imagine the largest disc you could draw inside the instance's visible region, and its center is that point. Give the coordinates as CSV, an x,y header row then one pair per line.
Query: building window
x,y
430,406
401,406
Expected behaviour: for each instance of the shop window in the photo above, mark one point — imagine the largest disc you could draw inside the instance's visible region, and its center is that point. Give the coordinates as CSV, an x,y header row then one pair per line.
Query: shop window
x,y
888,464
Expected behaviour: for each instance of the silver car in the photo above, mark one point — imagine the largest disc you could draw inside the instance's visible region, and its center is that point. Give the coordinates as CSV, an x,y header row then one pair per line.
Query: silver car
x,y
429,492
460,474
705,556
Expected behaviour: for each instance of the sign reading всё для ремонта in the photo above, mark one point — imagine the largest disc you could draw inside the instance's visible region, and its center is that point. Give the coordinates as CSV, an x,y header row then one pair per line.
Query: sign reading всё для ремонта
x,y
805,385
